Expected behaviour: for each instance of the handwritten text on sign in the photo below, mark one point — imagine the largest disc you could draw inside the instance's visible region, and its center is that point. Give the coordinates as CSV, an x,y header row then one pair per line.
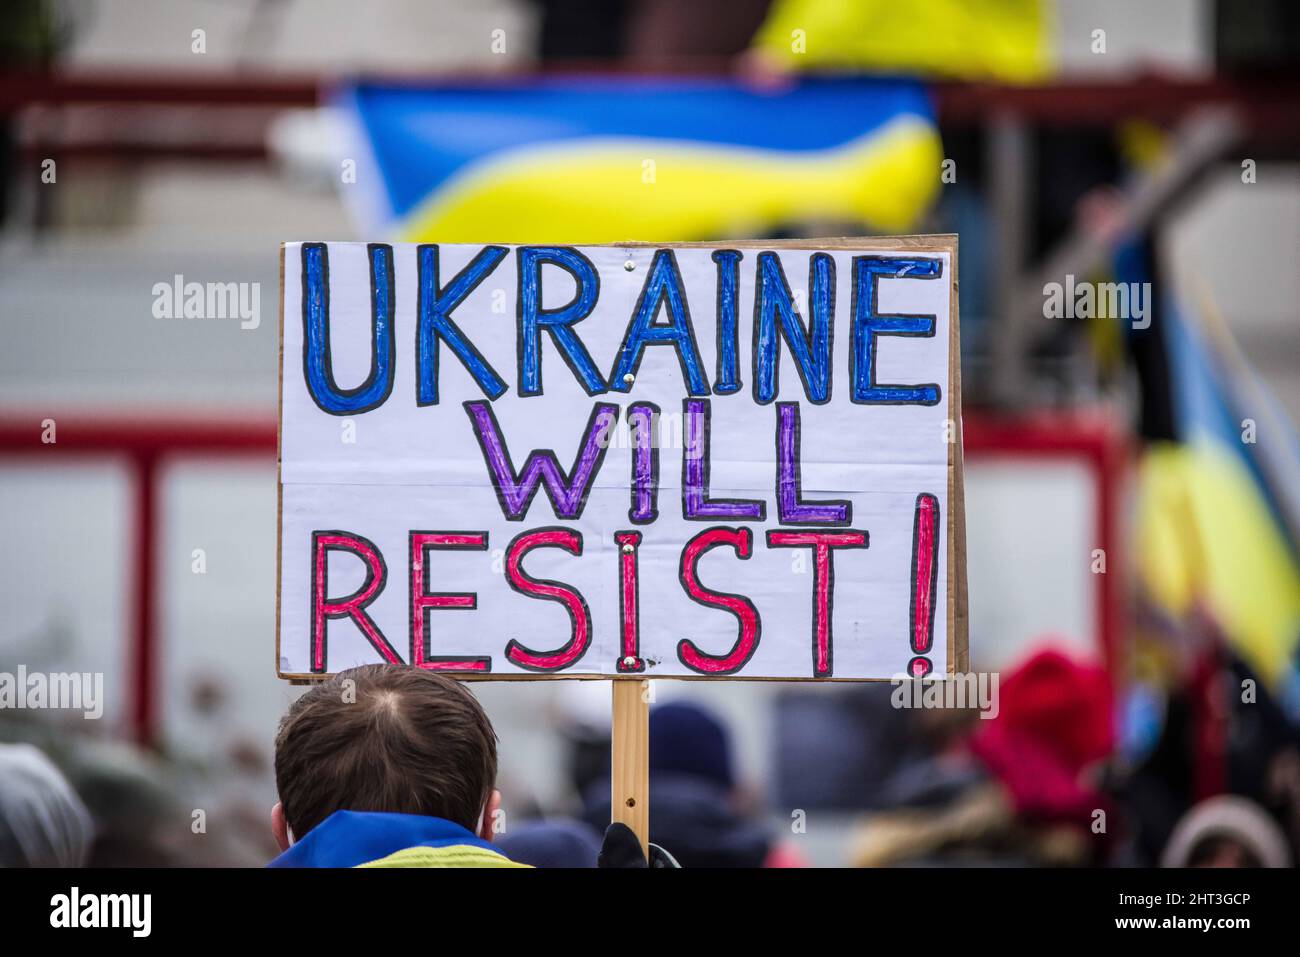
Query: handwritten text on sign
x,y
550,460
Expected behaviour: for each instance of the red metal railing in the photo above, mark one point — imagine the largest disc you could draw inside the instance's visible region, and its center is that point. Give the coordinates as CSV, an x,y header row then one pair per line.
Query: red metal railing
x,y
144,444
1265,105
1093,437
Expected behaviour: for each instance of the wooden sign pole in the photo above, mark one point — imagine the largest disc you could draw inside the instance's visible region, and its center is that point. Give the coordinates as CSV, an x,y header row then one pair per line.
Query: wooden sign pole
x,y
630,758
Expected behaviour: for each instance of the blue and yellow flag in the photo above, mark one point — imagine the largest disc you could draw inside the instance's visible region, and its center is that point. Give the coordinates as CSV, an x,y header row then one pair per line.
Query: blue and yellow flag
x,y
609,159
1216,510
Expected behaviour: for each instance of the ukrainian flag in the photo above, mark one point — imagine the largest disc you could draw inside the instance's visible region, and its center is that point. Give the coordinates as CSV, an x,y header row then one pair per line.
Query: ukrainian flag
x,y
1217,511
614,159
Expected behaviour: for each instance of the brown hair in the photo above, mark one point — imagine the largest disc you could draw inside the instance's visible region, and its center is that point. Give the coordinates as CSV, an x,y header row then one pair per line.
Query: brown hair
x,y
385,738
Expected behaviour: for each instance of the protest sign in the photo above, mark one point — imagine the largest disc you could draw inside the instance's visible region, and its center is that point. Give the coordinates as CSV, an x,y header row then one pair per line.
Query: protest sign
x,y
732,461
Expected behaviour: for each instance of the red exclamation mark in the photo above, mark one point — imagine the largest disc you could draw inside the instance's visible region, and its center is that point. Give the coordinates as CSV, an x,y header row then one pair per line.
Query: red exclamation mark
x,y
925,576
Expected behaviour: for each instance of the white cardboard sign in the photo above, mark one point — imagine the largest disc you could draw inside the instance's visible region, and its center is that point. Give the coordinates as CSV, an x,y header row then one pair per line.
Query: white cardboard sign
x,y
679,461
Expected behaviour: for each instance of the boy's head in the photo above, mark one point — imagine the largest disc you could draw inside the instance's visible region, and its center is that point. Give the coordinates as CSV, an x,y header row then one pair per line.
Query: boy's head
x,y
385,738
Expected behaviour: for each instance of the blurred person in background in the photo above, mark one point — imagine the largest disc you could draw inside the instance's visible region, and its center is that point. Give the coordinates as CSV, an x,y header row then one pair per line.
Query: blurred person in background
x,y
32,35
1227,831
696,810
42,821
650,34
1054,729
1038,798
1210,725
854,750
553,842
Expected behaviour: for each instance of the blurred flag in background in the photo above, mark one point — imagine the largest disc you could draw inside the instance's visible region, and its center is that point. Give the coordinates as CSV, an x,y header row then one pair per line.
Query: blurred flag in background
x,y
589,160
1009,41
1217,510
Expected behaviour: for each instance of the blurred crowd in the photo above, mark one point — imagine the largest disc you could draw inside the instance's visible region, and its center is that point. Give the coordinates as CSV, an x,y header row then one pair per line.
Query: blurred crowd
x,y
1073,769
